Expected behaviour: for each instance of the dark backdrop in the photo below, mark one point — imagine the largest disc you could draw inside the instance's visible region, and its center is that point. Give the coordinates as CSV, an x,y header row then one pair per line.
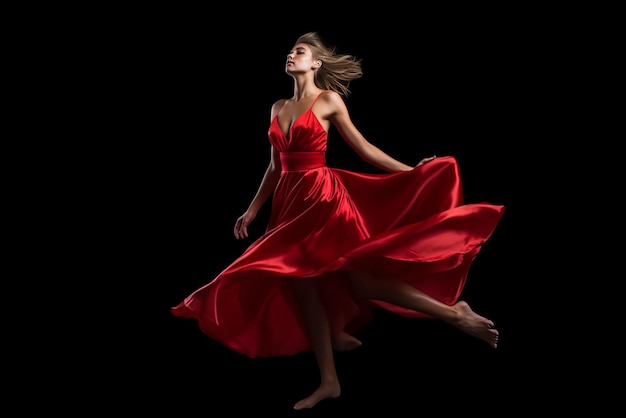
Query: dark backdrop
x,y
189,134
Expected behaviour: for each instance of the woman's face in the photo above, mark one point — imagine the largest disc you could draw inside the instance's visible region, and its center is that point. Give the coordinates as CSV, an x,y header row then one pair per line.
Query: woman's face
x,y
300,59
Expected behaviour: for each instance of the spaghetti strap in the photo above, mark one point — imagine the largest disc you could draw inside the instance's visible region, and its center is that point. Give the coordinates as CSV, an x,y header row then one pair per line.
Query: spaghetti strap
x,y
315,101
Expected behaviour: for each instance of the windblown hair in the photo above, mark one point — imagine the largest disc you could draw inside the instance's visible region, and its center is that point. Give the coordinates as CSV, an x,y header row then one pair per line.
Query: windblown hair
x,y
337,70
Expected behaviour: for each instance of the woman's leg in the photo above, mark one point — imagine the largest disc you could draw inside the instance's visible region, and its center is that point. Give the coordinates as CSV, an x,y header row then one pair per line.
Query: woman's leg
x,y
318,332
345,342
459,315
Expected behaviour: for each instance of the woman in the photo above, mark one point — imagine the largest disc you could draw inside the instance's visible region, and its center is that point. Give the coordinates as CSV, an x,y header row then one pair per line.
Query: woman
x,y
338,243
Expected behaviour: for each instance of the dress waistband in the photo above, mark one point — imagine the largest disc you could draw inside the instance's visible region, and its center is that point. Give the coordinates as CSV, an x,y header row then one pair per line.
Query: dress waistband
x,y
296,161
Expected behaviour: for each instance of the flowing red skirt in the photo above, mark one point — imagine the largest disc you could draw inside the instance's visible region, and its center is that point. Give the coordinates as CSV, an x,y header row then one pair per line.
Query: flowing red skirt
x,y
410,226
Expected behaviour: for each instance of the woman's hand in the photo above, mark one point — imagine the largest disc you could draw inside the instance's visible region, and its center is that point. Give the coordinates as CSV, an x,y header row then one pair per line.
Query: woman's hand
x,y
426,159
241,226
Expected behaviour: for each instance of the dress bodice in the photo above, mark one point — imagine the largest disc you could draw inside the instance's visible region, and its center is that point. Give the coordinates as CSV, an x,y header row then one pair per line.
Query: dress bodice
x,y
305,134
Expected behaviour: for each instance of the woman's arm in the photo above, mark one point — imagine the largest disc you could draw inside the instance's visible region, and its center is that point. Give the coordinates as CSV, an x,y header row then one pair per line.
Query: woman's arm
x,y
265,190
267,186
337,113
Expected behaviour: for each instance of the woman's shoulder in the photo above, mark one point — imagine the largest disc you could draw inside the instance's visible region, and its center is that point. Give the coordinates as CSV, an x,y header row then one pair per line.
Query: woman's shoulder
x,y
330,95
278,104
332,98
332,101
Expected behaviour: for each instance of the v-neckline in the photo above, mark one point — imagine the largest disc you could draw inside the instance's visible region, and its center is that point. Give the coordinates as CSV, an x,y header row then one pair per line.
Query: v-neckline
x,y
287,135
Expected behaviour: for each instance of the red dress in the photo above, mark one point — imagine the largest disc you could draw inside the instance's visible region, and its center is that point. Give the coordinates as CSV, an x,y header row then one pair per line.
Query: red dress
x,y
411,226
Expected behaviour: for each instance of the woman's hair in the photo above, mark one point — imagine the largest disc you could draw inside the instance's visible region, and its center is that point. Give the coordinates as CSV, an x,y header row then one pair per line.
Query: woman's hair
x,y
337,70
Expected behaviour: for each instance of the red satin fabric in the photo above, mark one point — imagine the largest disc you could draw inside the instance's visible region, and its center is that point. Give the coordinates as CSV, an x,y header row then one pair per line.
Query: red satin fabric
x,y
411,226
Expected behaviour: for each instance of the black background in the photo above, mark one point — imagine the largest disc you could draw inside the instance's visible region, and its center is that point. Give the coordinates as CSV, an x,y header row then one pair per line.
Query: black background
x,y
182,124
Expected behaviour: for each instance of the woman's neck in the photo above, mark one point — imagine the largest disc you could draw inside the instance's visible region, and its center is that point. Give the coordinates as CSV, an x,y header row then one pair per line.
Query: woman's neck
x,y
304,88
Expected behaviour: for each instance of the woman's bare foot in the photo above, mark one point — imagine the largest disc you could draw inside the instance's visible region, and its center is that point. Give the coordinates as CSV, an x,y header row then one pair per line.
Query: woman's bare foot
x,y
325,391
475,325
345,342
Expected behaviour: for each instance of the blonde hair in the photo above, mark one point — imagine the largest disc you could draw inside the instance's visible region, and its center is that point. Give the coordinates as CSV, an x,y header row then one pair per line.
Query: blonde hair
x,y
337,70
